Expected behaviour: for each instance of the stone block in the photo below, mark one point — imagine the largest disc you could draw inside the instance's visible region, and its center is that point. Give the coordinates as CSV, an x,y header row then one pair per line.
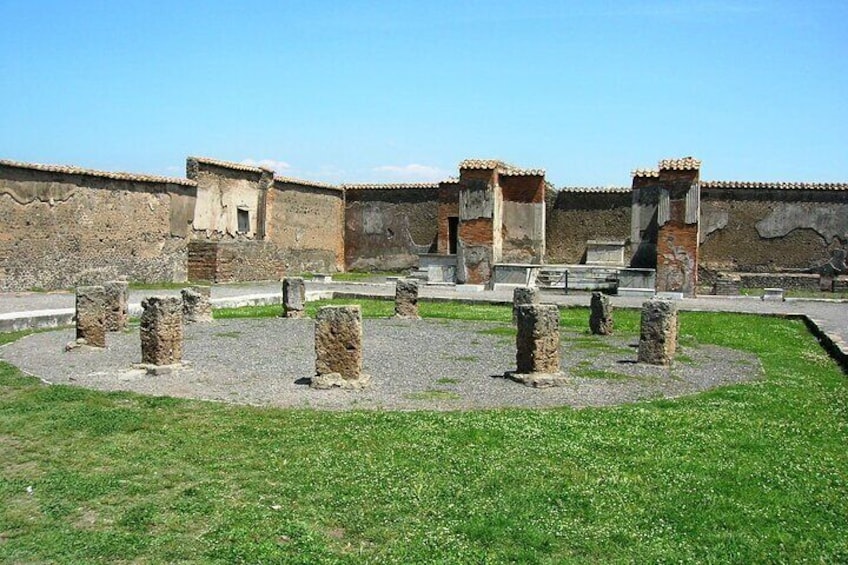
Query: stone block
x,y
294,297
196,304
117,298
658,333
338,347
600,314
537,341
773,294
161,331
727,284
522,296
91,315
406,299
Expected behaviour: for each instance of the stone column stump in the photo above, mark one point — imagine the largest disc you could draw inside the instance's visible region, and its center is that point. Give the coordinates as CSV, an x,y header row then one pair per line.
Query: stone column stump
x,y
521,296
537,346
294,297
406,299
338,348
91,316
117,297
658,334
600,314
161,331
196,304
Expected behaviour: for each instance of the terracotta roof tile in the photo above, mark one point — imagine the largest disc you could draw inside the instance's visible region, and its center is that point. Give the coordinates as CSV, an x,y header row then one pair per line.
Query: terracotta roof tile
x,y
684,164
523,172
776,185
302,182
391,186
606,189
71,170
228,164
645,173
502,167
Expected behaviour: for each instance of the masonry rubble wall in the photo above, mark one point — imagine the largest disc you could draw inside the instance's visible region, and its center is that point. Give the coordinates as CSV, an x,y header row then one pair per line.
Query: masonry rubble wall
x,y
65,226
387,226
577,215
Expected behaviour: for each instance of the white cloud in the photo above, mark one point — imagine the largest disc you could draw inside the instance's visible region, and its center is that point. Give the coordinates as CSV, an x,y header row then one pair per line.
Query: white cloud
x,y
277,166
412,172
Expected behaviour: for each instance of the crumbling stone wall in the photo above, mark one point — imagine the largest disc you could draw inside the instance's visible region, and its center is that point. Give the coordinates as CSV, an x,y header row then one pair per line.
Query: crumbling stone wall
x,y
523,221
306,223
64,226
387,226
762,229
575,216
231,261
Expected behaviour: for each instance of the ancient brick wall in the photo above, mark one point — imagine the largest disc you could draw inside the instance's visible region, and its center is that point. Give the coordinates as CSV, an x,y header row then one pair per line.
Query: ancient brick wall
x,y
762,229
387,226
230,261
448,211
306,222
63,227
575,216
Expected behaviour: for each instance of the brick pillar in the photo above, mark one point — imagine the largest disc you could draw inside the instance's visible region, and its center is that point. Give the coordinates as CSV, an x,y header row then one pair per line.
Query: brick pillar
x,y
658,334
678,213
91,315
537,342
196,304
406,299
522,296
600,314
161,331
477,250
117,296
338,347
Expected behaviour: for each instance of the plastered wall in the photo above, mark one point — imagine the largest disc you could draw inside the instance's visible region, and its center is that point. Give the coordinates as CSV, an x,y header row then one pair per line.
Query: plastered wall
x,y
386,229
575,216
63,229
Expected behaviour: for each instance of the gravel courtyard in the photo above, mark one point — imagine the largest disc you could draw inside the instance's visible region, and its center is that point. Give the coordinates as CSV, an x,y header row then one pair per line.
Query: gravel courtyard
x,y
415,365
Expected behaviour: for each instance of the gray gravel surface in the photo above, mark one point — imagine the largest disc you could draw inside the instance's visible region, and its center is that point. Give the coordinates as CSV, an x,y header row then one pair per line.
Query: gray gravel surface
x,y
415,365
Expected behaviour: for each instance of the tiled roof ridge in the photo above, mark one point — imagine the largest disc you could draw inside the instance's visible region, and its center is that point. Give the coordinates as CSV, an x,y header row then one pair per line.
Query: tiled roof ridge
x,y
681,164
303,182
390,185
503,167
594,189
114,175
228,164
652,173
776,185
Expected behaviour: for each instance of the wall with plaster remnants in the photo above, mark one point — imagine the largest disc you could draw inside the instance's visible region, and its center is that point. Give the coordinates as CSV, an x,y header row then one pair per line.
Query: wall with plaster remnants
x,y
771,229
576,215
387,226
64,226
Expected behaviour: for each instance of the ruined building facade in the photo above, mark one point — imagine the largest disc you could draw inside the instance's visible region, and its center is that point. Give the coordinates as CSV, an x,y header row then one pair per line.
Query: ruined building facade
x,y
66,226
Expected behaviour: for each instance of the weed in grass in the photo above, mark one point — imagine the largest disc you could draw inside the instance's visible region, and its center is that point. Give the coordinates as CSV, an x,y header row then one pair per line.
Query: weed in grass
x,y
447,381
433,394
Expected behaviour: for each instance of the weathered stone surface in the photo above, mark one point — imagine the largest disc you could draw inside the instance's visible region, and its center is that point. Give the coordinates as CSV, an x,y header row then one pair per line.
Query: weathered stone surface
x,y
294,297
91,315
338,342
537,341
117,296
727,284
658,335
161,331
196,304
522,296
406,299
600,314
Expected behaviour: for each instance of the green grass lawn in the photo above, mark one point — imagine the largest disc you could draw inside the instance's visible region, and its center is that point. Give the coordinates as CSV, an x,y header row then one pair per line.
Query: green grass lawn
x,y
746,474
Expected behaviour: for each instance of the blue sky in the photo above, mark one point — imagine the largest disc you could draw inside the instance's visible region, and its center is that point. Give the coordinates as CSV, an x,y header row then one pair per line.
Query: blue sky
x,y
402,91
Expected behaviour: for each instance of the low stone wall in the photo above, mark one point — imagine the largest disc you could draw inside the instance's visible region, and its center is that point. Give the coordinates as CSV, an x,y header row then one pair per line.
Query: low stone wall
x,y
231,261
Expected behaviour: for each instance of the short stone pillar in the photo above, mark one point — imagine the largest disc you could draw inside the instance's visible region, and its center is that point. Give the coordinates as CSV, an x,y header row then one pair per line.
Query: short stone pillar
x,y
521,296
91,316
161,331
338,348
117,297
196,304
600,314
658,334
406,299
537,341
294,297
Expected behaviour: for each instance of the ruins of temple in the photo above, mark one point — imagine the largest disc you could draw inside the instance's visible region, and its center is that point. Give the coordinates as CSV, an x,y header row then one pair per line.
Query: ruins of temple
x,y
493,224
